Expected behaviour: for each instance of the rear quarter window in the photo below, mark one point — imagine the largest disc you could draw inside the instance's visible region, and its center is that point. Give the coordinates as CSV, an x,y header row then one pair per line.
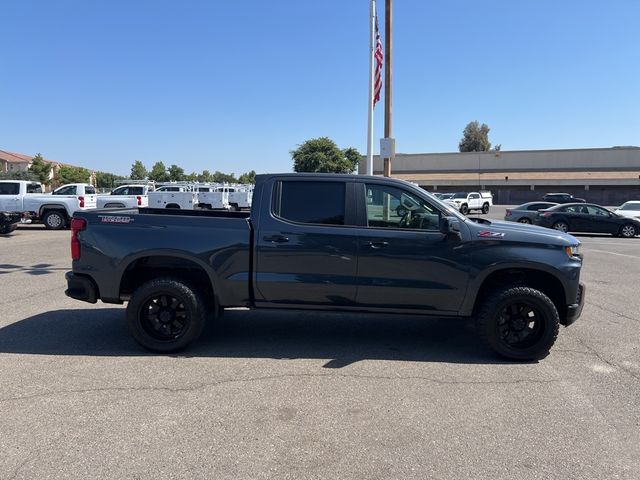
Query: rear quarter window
x,y
9,188
311,202
89,191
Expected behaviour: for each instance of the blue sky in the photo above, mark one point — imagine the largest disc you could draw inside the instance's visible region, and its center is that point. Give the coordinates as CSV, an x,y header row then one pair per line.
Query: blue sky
x,y
235,85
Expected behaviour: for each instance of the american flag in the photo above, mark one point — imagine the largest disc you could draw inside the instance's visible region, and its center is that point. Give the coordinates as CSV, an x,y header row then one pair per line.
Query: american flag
x,y
377,82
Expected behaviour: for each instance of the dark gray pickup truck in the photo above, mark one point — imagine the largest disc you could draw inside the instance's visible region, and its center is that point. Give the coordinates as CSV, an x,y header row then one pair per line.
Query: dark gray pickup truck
x,y
328,242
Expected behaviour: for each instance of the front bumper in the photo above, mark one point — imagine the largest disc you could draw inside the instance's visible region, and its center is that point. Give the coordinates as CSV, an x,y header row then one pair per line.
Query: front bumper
x,y
81,288
574,310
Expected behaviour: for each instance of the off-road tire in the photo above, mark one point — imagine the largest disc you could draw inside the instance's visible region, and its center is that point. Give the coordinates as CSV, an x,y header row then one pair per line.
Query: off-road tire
x,y
485,208
190,302
490,322
464,209
54,220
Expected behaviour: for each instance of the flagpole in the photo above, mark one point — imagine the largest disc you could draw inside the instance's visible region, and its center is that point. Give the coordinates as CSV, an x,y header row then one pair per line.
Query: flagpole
x,y
372,26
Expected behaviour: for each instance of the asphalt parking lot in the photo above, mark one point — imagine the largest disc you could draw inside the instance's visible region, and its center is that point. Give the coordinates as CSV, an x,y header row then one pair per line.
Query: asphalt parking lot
x,y
291,395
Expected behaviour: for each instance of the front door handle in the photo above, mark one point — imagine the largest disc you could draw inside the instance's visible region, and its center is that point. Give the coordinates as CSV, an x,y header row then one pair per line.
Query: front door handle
x,y
377,244
276,239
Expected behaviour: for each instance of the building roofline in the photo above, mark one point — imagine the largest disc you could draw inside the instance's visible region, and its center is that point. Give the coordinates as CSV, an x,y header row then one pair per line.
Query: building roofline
x,y
493,152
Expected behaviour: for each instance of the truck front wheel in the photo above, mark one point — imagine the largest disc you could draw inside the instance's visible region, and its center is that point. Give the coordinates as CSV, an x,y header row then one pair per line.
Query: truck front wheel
x,y
165,315
464,209
54,220
485,208
519,323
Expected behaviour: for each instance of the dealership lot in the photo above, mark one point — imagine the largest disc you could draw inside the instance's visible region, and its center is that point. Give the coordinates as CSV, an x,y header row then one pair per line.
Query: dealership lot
x,y
290,395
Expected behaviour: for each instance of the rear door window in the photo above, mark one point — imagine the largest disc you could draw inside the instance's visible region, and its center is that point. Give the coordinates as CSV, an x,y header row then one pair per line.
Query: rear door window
x,y
34,188
311,202
68,190
9,188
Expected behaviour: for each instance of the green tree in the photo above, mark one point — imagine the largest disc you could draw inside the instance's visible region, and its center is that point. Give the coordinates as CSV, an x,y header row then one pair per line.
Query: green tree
x,y
475,138
21,175
138,171
249,177
158,173
219,177
68,174
204,177
41,169
107,180
176,174
192,177
323,155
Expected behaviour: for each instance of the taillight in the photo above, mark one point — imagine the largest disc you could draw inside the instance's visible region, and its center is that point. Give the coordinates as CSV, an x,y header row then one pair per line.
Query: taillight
x,y
77,225
139,198
81,200
508,213
547,214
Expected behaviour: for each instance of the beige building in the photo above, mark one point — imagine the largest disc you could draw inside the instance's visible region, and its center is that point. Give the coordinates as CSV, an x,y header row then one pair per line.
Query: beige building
x,y
11,162
607,176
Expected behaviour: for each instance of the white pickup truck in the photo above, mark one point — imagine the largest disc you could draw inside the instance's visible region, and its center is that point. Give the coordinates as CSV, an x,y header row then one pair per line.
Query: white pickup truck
x,y
125,196
466,202
54,210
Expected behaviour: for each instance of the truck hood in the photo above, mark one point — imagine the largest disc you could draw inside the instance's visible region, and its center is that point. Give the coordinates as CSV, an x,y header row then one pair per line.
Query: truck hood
x,y
520,232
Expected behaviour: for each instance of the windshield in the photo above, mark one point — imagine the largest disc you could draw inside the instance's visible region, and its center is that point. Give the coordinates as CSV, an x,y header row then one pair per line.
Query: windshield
x,y
459,195
631,206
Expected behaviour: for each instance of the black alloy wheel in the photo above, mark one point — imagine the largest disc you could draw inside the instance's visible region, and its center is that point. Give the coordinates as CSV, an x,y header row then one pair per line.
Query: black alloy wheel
x,y
485,208
166,314
525,220
464,209
519,323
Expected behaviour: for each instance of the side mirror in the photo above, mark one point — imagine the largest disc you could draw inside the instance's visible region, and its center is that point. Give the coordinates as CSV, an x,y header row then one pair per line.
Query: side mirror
x,y
449,225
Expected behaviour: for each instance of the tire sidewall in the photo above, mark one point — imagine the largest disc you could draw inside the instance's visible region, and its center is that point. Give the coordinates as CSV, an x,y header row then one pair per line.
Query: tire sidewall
x,y
539,301
464,209
485,208
190,297
51,214
561,223
635,230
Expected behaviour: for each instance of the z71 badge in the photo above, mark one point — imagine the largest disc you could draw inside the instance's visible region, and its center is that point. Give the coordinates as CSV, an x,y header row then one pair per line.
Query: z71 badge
x,y
488,234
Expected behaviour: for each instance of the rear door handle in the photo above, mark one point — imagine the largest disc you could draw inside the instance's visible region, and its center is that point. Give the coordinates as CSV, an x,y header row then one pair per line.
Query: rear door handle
x,y
276,239
377,244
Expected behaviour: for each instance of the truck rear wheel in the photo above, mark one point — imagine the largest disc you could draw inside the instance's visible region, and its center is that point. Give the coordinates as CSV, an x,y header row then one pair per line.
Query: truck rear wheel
x,y
54,219
165,315
519,323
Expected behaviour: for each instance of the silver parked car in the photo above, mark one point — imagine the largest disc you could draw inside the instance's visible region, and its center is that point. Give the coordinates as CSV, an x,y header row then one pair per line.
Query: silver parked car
x,y
526,212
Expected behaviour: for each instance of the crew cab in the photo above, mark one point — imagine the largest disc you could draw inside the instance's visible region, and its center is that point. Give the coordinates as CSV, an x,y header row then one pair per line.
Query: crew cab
x,y
54,210
328,242
125,196
466,202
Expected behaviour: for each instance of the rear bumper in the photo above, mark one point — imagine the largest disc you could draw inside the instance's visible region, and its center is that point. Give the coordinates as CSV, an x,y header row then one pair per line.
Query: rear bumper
x,y
81,288
575,310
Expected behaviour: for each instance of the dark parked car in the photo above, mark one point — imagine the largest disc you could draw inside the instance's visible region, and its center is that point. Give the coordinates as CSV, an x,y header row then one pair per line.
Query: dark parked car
x,y
526,212
9,221
562,198
589,218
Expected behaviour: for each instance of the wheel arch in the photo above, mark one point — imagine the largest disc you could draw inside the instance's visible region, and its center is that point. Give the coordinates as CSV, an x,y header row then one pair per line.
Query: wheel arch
x,y
537,277
52,206
146,266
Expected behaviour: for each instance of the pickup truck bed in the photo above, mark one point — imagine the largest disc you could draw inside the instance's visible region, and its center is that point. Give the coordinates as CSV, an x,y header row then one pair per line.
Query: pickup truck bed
x,y
328,242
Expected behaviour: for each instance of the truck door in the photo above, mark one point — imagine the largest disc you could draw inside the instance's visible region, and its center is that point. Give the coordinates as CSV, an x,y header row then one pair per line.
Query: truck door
x,y
474,200
10,197
404,261
305,251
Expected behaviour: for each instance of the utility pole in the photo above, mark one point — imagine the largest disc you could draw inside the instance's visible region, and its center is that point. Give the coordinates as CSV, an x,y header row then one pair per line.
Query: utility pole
x,y
390,144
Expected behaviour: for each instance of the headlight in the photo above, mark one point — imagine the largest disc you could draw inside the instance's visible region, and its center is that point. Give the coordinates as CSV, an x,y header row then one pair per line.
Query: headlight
x,y
573,251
